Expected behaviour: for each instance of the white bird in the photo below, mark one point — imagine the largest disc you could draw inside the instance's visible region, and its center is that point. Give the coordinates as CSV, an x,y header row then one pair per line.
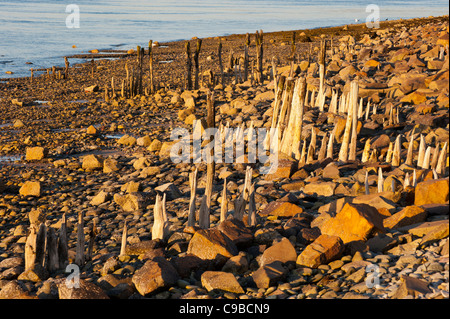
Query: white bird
x,y
356,20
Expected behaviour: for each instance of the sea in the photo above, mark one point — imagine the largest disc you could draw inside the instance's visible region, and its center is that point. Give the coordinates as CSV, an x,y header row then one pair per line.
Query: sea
x,y
38,34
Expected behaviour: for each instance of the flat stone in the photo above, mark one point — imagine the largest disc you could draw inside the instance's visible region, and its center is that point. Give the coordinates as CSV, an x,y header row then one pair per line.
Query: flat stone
x,y
411,286
281,209
35,153
30,188
407,216
320,189
92,162
323,250
86,290
221,280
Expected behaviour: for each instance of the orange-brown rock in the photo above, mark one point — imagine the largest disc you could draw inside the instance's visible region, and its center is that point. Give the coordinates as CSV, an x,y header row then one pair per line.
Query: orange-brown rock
x,y
281,209
285,168
212,245
354,222
407,216
434,191
282,251
35,153
221,280
323,250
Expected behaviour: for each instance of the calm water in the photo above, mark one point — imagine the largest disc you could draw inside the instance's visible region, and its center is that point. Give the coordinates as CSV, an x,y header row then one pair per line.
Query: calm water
x,y
36,32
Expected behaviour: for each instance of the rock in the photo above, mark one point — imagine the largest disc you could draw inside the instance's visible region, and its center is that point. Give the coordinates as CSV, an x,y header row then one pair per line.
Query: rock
x,y
18,123
111,165
378,200
282,251
235,230
381,243
331,171
127,140
92,162
11,262
91,130
141,162
100,198
434,191
411,286
144,141
187,264
30,188
320,189
131,202
14,289
294,186
92,88
429,231
212,245
155,145
172,192
268,95
236,264
220,280
155,274
281,209
86,290
166,148
150,171
286,166
407,216
35,153
268,275
143,247
323,250
354,222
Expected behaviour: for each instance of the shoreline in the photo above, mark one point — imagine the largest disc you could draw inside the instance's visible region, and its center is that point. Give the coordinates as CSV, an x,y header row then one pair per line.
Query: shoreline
x,y
326,29
85,161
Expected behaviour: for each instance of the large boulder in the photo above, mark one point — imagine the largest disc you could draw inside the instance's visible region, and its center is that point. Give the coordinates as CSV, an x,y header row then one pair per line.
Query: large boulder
x,y
30,188
282,251
434,191
35,153
354,222
407,216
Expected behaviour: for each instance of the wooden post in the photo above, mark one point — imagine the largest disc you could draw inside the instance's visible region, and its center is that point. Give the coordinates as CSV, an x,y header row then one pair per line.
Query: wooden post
x,y
343,153
210,166
354,106
196,64
63,251
41,245
123,246
79,257
380,181
193,185
366,183
203,216
188,84
435,157
421,154
252,207
219,54
30,248
150,71
52,243
31,75
92,234
224,204
440,167
66,70
396,153
323,148
247,44
259,56
366,151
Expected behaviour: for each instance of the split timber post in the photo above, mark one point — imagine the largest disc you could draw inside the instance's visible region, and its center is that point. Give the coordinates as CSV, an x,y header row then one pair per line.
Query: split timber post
x,y
247,44
219,54
150,54
66,70
210,166
259,56
63,250
79,257
188,84
196,64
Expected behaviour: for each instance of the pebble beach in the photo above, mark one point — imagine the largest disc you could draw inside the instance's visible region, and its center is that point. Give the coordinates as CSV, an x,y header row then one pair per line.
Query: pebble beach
x,y
79,145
